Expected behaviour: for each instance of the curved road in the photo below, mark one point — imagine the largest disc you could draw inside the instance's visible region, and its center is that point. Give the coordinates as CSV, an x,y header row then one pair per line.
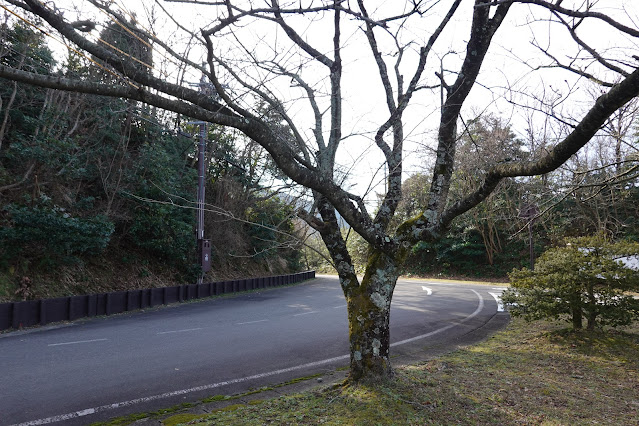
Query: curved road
x,y
100,368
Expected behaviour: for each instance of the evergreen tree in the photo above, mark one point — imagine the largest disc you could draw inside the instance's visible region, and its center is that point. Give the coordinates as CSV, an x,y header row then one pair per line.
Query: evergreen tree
x,y
587,278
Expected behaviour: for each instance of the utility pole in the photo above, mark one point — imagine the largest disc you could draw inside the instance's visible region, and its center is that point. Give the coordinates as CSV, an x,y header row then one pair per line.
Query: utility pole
x,y
203,245
201,146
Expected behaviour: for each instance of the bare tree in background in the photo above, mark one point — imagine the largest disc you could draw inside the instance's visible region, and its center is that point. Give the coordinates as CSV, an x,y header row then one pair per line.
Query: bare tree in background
x,y
275,67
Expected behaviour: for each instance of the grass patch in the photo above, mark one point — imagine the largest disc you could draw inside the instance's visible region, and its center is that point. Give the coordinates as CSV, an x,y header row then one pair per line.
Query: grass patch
x,y
183,417
132,418
535,373
180,419
298,380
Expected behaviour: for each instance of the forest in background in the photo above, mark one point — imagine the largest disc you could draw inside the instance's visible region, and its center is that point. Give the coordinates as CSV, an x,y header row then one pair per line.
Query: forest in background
x,y
97,193
596,192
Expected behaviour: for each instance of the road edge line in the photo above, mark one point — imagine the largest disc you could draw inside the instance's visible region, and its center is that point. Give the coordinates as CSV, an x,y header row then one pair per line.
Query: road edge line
x,y
95,410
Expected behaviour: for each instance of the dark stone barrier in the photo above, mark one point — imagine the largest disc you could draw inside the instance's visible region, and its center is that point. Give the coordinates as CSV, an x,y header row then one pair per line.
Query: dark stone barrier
x,y
41,312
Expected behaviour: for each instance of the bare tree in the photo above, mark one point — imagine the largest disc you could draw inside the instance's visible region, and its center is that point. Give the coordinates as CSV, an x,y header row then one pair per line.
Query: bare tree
x,y
246,65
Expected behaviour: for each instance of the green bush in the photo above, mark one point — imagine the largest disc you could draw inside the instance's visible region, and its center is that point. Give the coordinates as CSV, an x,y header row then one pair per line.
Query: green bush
x,y
51,235
462,253
583,279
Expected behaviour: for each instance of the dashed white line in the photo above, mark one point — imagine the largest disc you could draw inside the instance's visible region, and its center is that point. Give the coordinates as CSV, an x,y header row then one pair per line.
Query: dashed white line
x,y
427,290
305,313
179,331
500,305
108,407
339,307
251,322
77,342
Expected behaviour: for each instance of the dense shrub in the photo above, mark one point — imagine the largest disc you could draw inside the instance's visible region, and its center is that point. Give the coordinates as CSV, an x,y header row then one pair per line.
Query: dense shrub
x,y
51,234
583,279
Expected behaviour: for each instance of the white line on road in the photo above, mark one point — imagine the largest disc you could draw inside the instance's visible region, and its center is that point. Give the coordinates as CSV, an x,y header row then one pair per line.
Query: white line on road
x,y
76,342
439,330
339,307
89,411
250,322
500,288
427,290
500,305
179,331
305,313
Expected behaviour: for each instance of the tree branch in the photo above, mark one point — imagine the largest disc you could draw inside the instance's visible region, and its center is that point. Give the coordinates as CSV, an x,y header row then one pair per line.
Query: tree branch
x,y
483,29
596,117
569,12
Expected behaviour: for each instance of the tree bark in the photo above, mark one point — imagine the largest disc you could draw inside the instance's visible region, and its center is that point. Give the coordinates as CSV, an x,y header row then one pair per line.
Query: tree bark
x,y
369,319
576,316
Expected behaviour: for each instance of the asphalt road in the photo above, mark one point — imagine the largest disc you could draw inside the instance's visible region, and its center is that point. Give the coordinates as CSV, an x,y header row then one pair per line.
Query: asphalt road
x,y
96,369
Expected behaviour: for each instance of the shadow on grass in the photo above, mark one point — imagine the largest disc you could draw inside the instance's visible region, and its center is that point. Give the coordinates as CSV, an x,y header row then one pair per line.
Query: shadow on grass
x,y
612,345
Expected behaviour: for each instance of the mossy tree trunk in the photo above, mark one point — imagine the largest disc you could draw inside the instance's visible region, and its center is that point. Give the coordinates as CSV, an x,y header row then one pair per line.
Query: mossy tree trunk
x,y
368,300
369,318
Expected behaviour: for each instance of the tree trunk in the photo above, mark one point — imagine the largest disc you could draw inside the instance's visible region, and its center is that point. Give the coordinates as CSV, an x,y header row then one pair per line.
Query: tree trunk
x,y
592,308
576,316
369,319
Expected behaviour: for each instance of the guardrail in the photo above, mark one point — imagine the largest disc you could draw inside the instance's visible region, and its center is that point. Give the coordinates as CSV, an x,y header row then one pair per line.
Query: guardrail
x,y
45,311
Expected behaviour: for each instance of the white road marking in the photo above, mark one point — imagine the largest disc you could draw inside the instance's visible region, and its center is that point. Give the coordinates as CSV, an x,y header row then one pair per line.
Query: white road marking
x,y
305,313
76,342
439,330
250,322
427,290
179,331
500,305
108,407
339,307
439,283
500,288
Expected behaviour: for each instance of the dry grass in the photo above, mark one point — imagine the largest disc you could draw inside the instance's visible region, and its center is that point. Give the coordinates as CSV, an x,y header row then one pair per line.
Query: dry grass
x,y
534,373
